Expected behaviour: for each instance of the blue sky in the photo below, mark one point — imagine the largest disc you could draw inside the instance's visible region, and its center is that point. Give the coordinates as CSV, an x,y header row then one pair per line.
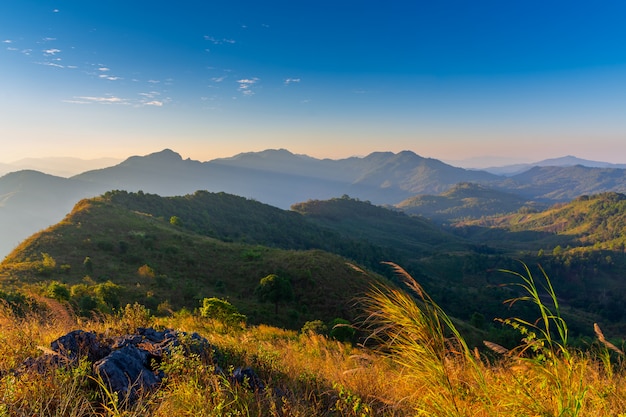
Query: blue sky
x,y
516,80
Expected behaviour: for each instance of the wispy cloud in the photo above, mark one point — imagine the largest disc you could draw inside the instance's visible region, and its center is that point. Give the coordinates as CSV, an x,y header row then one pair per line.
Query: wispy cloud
x,y
217,41
103,69
51,52
7,41
103,100
152,98
218,79
109,77
52,64
292,80
245,85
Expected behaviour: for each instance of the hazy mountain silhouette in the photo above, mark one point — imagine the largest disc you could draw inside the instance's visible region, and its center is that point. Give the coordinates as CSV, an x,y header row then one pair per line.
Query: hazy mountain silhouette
x,y
31,201
560,184
281,178
59,166
565,161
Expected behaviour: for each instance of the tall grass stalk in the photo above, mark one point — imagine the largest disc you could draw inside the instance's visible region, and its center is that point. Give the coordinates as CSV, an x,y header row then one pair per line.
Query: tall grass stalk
x,y
424,341
546,359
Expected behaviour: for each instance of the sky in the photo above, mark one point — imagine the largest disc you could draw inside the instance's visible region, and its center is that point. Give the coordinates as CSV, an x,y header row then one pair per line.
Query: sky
x,y
503,81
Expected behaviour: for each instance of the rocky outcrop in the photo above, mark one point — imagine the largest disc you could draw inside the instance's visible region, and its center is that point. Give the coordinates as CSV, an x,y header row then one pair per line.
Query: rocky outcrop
x,y
129,364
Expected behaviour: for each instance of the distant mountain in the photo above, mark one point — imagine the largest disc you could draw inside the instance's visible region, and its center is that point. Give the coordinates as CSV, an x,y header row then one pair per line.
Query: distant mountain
x,y
31,201
466,200
58,166
564,183
281,178
565,161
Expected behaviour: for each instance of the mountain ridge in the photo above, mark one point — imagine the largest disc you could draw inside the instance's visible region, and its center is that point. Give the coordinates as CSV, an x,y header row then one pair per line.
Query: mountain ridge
x,y
281,178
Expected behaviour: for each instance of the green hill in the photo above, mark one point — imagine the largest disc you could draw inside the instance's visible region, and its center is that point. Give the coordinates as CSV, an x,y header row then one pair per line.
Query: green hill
x,y
137,256
413,235
465,200
596,222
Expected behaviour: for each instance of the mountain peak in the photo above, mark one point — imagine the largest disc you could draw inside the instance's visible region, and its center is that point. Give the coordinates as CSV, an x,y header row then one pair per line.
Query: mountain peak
x,y
165,155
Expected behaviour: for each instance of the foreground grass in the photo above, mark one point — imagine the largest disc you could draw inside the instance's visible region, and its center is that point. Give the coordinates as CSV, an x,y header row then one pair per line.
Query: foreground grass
x,y
418,366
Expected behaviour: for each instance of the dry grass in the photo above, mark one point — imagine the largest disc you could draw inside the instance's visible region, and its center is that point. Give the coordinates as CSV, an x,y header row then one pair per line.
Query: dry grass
x,y
420,367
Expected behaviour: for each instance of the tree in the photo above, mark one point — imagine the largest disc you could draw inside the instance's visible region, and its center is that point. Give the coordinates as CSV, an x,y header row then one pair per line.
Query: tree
x,y
222,311
274,289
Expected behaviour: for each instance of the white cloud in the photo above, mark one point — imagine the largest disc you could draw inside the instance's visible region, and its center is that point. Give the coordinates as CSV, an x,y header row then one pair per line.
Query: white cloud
x,y
154,103
218,79
245,84
7,41
51,52
154,81
216,41
55,11
109,77
151,94
103,69
49,39
103,100
52,64
292,80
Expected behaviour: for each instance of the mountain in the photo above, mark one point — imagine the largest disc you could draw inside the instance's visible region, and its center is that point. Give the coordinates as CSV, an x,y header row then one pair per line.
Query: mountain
x,y
466,200
58,166
564,183
565,161
281,178
31,201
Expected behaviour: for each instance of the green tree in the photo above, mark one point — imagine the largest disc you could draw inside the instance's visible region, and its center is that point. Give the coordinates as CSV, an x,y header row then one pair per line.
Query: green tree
x,y
109,293
222,311
88,265
58,291
47,264
274,289
342,331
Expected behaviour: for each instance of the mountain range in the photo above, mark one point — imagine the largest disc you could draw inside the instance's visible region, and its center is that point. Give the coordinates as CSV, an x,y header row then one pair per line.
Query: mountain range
x,y
31,200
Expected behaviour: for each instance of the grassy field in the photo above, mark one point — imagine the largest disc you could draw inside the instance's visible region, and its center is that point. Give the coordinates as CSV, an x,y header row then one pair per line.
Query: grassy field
x,y
412,362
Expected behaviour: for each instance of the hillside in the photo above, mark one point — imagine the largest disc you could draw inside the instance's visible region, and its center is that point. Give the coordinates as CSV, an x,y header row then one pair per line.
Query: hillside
x,y
411,237
597,221
465,200
157,263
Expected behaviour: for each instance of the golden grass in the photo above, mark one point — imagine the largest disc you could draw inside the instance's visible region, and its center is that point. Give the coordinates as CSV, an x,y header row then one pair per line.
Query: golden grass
x,y
419,366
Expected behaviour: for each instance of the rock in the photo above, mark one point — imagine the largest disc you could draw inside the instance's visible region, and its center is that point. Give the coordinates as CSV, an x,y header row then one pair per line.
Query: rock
x,y
79,344
248,378
128,364
127,373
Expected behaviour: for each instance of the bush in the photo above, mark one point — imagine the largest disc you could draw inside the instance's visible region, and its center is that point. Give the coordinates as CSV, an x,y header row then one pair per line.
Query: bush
x,y
222,311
